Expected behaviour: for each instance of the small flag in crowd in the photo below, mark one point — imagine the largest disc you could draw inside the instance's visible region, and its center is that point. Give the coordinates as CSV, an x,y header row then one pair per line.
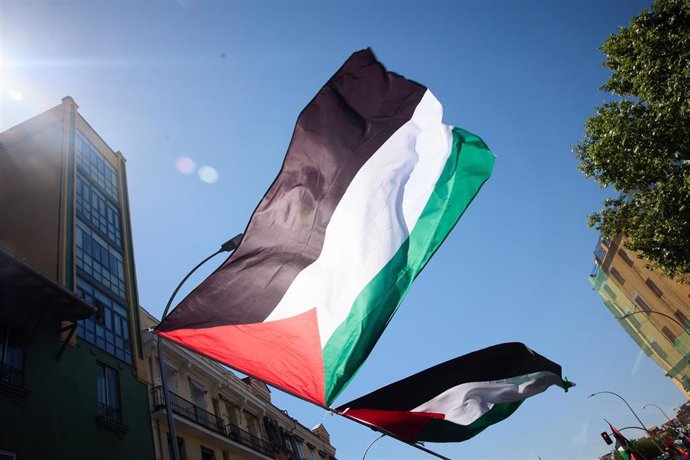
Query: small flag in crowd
x,y
456,400
623,446
371,185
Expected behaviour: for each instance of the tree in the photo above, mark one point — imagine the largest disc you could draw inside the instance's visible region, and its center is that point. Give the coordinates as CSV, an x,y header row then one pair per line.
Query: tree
x,y
639,142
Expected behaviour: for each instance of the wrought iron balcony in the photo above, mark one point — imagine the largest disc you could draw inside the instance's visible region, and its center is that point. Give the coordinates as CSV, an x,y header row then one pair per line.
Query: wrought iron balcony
x,y
246,438
11,375
113,414
210,421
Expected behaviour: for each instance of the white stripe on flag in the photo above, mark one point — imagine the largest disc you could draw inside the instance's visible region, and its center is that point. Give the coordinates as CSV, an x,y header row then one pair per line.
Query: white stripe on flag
x,y
467,402
374,217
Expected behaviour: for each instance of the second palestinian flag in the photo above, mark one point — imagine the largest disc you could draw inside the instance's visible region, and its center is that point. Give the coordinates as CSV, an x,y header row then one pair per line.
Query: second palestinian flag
x,y
623,445
371,185
456,400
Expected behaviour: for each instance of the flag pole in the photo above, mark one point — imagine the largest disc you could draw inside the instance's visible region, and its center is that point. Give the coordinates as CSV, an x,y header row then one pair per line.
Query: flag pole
x,y
229,245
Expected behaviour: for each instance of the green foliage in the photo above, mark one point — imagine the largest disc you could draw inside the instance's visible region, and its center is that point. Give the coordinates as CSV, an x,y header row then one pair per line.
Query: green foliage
x,y
639,143
670,433
646,448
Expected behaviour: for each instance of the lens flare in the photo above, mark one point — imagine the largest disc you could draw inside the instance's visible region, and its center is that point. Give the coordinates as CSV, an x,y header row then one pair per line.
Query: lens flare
x,y
208,174
185,165
16,95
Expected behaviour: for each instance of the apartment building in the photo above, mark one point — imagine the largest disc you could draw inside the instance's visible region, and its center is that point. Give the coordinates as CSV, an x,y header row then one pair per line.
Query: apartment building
x,y
72,373
653,309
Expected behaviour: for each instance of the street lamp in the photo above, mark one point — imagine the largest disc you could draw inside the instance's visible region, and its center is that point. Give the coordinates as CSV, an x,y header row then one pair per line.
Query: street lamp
x,y
229,245
662,411
633,412
628,315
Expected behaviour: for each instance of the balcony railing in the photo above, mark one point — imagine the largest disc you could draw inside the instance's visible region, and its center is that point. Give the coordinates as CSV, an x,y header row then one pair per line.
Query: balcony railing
x,y
11,375
246,438
114,414
200,416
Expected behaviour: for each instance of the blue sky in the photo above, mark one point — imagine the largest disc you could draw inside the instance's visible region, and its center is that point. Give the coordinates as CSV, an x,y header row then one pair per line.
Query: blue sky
x,y
221,84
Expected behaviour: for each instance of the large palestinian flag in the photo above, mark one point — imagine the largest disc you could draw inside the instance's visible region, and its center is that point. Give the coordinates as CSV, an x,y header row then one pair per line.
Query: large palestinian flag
x,y
456,400
371,185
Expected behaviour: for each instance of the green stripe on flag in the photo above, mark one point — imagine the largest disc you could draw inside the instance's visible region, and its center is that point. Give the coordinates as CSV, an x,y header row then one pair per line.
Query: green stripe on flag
x,y
439,430
469,165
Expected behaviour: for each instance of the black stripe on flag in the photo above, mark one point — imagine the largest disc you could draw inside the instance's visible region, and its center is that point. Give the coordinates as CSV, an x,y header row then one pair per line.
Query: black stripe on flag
x,y
350,118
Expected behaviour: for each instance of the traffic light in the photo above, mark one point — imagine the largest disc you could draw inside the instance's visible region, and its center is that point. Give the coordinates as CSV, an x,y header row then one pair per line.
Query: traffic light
x,y
606,438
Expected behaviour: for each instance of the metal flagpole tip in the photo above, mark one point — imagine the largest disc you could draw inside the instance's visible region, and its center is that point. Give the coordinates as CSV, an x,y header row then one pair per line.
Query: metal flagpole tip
x,y
232,244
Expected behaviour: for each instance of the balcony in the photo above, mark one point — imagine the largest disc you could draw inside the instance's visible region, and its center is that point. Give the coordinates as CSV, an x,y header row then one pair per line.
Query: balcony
x,y
110,413
11,375
210,421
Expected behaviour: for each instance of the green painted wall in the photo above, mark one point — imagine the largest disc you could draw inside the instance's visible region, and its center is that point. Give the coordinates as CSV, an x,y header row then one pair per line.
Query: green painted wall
x,y
57,420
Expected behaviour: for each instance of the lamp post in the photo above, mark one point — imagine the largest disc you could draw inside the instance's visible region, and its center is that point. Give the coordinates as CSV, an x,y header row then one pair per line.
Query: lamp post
x,y
371,444
633,412
627,315
662,411
228,246
631,428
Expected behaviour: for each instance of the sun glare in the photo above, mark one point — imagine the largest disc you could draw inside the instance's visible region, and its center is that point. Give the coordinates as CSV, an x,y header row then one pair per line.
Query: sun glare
x,y
16,95
185,165
208,174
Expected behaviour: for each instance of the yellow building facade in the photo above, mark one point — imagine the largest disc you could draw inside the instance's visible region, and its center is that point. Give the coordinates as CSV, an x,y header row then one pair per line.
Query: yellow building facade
x,y
653,309
219,416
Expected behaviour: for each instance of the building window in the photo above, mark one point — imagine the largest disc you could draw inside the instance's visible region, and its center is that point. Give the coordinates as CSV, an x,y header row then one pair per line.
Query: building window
x,y
170,377
201,415
252,423
231,412
616,275
96,168
288,442
112,333
198,392
658,350
272,432
642,303
100,260
626,258
655,289
682,318
312,452
669,335
207,454
94,208
300,449
108,393
180,448
609,291
11,354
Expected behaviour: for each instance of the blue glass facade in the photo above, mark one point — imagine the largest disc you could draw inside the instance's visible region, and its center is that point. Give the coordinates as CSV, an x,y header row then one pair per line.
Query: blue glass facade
x,y
99,253
100,260
93,207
